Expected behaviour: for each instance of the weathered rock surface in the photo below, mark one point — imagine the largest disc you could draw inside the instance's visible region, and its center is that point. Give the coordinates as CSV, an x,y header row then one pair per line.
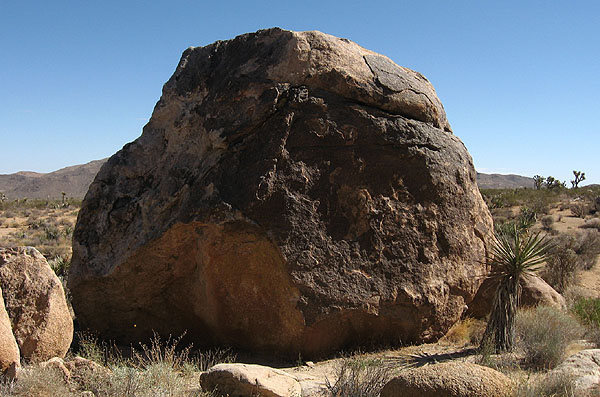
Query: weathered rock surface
x,y
246,380
76,369
57,364
449,379
292,192
534,291
584,368
35,302
9,351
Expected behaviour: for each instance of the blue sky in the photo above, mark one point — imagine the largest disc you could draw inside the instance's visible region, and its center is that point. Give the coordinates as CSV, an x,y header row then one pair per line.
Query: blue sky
x,y
520,80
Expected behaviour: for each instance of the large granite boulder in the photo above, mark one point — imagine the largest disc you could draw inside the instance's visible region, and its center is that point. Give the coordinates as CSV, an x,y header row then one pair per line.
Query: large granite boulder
x,y
9,350
36,304
292,192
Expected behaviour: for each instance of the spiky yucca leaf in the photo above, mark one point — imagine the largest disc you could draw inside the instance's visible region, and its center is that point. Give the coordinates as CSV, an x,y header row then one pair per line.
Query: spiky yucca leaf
x,y
516,254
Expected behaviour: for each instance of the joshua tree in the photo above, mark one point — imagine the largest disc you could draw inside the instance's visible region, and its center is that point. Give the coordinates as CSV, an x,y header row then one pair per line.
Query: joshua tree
x,y
538,181
513,256
552,183
579,176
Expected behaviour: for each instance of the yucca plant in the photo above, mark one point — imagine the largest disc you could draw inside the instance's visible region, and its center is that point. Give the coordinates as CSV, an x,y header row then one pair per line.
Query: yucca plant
x,y
513,256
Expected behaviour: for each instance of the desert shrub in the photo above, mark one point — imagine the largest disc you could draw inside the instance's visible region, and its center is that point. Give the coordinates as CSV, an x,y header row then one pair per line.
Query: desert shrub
x,y
162,351
60,265
522,222
570,254
51,233
203,360
9,214
562,266
547,222
89,347
68,231
34,223
559,385
540,204
580,209
158,379
589,247
359,377
543,334
527,217
39,382
159,368
588,311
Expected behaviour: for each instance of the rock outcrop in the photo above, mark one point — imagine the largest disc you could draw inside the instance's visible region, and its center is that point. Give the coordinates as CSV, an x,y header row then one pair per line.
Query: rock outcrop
x,y
249,380
449,379
35,302
534,291
583,368
9,351
292,192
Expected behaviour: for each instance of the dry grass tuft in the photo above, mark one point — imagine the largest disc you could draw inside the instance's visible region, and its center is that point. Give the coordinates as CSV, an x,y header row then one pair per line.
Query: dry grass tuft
x,y
465,332
359,377
560,385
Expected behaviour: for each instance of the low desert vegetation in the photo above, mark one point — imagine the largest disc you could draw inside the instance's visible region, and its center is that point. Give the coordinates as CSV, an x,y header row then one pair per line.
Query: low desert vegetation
x,y
570,255
561,385
159,368
44,224
543,334
359,377
540,200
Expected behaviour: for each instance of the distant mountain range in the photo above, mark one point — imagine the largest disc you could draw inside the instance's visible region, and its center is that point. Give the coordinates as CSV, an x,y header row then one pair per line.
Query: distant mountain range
x,y
500,181
75,180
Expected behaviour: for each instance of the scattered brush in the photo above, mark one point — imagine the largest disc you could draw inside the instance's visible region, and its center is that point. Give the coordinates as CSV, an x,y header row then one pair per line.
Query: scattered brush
x,y
580,209
560,385
359,377
543,334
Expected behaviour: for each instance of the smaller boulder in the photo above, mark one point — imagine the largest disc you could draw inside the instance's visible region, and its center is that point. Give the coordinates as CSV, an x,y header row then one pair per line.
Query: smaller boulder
x,y
80,368
534,292
584,368
241,380
9,350
58,364
36,304
449,379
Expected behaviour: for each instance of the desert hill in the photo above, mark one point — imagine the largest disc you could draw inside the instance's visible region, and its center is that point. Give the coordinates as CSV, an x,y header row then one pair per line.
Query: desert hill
x,y
73,180
500,181
76,179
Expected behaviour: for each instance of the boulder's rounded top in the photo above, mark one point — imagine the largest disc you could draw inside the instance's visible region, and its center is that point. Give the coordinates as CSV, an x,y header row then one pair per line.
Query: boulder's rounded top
x,y
316,60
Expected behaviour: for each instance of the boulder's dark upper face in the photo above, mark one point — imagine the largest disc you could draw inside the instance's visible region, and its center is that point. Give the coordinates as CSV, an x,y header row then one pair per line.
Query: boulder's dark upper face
x,y
292,192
